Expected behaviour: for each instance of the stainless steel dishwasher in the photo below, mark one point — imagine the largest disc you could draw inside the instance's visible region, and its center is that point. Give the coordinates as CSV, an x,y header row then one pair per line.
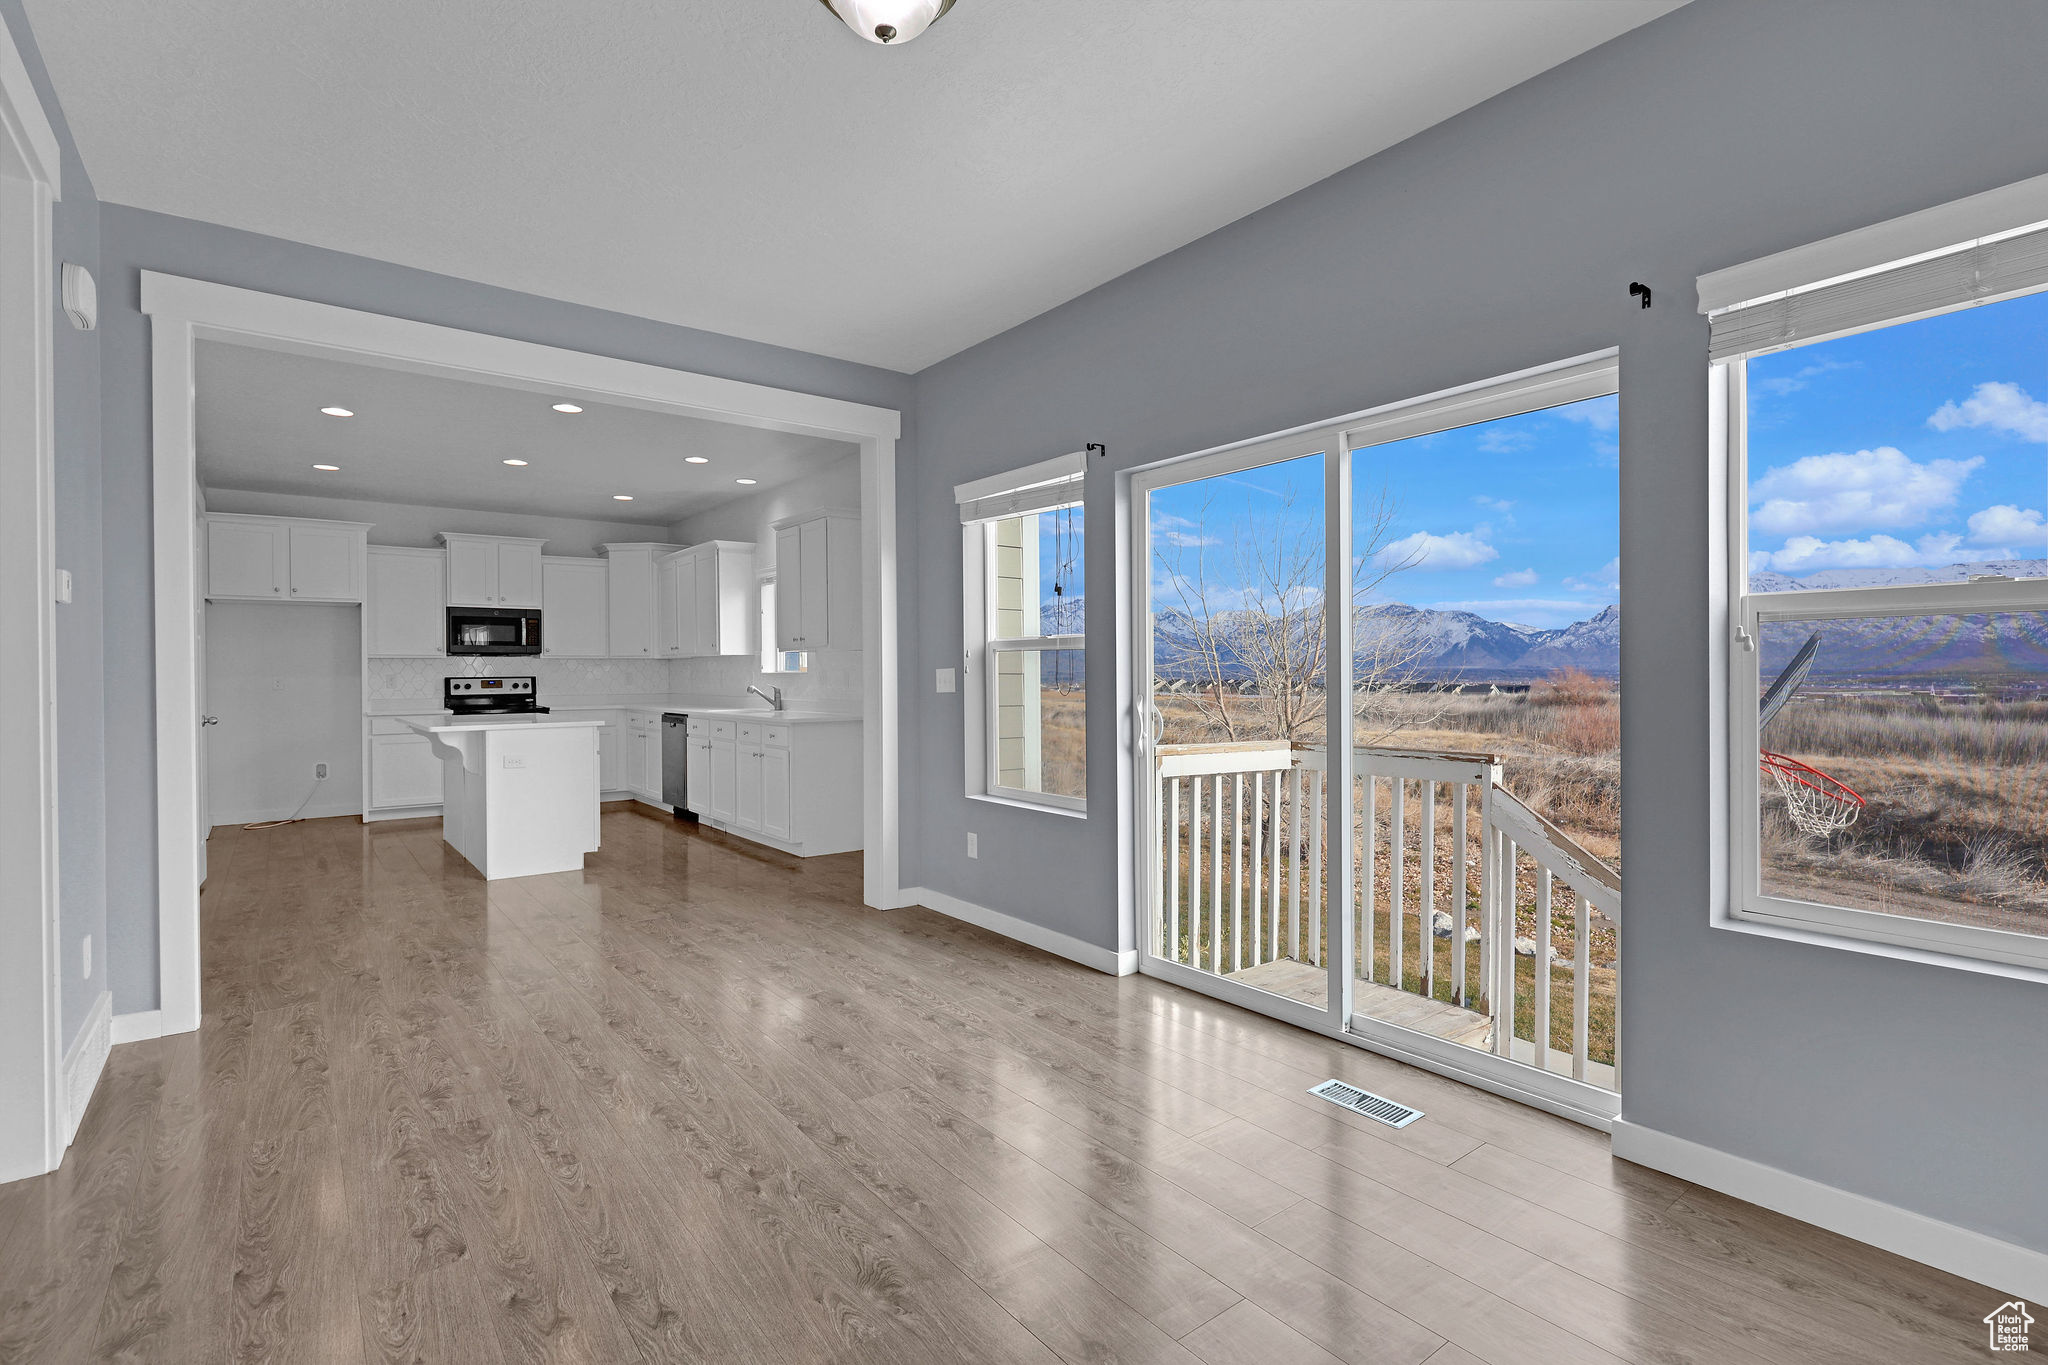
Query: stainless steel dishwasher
x,y
675,763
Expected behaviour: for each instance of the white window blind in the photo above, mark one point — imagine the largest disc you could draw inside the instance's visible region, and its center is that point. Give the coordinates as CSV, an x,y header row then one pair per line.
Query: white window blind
x,y
1043,487
1972,274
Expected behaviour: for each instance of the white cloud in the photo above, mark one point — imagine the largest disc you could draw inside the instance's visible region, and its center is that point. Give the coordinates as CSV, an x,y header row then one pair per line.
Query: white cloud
x,y
1800,378
2006,525
1518,578
1840,492
1524,604
1605,579
1601,414
1999,407
1506,441
1501,505
1458,550
1803,554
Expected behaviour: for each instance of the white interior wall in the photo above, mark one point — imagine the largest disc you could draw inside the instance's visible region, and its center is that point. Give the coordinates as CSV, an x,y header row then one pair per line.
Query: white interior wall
x,y
397,523
833,676
285,678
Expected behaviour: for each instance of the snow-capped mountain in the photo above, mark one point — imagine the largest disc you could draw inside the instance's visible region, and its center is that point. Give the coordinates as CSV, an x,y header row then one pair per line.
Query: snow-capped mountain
x,y
1768,580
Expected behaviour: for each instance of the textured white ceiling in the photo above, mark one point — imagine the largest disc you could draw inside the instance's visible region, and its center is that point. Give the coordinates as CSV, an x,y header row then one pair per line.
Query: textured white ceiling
x,y
749,166
443,442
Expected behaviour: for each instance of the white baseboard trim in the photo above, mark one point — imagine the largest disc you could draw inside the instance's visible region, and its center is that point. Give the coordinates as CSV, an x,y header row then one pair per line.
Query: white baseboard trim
x,y
139,1026
84,1060
1024,931
2004,1266
266,814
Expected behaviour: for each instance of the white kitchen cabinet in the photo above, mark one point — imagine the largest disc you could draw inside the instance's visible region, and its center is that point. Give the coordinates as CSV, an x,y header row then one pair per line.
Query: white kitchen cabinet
x,y
574,608
493,571
818,581
327,562
630,598
404,609
792,784
404,774
775,808
251,558
705,600
650,760
608,757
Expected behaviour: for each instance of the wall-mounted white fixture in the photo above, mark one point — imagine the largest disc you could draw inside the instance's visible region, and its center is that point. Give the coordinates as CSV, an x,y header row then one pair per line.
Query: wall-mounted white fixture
x,y
888,21
63,585
81,297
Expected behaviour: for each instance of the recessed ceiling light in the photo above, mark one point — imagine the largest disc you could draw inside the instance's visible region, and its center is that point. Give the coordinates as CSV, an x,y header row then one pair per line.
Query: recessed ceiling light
x,y
330,468
517,464
749,481
695,459
337,412
567,407
622,497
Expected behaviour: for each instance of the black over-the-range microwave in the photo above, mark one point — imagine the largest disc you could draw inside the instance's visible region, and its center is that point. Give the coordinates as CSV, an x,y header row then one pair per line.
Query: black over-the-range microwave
x,y
493,630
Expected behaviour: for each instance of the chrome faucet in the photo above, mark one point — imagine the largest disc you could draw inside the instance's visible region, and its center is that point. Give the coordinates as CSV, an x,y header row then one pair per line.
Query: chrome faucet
x,y
774,702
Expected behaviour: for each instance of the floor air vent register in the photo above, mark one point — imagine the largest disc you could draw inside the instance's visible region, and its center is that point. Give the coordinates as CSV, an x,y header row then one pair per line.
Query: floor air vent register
x,y
1365,1102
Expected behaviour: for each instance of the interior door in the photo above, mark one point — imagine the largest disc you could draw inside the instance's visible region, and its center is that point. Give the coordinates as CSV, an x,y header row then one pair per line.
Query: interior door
x,y
203,815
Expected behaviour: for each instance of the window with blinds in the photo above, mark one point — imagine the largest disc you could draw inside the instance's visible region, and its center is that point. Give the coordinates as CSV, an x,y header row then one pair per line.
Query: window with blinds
x,y
1887,437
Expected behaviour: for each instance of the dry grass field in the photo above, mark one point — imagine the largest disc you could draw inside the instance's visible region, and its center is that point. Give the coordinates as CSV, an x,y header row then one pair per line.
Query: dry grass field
x,y
1955,827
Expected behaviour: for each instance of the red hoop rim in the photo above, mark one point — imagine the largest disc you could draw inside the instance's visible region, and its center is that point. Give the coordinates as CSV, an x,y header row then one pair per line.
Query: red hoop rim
x,y
1834,789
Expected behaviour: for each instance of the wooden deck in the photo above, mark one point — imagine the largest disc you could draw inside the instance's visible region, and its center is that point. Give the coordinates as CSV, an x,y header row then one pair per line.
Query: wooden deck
x,y
1310,985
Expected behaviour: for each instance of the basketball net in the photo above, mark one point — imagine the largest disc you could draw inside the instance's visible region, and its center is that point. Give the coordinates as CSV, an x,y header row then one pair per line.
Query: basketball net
x,y
1817,804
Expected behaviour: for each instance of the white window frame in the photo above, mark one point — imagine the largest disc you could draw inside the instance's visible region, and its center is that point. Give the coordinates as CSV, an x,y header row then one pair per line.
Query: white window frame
x,y
985,499
1747,907
771,657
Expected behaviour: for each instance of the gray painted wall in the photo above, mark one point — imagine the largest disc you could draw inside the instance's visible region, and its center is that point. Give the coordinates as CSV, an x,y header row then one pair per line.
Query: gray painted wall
x,y
133,240
81,762
1502,239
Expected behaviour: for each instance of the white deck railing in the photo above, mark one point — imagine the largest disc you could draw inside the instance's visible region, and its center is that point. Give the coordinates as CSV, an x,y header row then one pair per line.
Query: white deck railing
x,y
1241,890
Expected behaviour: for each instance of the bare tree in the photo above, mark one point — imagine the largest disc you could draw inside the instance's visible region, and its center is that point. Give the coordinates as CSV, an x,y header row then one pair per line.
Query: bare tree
x,y
1265,623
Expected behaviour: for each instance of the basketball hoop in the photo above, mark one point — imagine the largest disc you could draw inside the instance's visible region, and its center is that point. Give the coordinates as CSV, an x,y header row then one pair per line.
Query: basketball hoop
x,y
1817,804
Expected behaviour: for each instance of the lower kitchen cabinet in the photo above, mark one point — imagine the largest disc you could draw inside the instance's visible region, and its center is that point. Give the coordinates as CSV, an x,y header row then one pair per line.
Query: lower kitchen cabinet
x,y
794,785
404,774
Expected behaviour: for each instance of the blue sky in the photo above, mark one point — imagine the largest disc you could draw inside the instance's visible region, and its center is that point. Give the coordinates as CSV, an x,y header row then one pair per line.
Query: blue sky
x,y
1923,444
1515,520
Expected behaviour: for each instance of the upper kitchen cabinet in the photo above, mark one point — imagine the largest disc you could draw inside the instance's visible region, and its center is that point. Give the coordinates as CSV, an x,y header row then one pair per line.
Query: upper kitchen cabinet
x,y
818,581
493,571
404,615
574,607
704,600
284,559
630,614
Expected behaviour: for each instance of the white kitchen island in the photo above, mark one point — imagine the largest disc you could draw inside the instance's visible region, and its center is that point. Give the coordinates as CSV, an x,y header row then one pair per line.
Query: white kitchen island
x,y
519,794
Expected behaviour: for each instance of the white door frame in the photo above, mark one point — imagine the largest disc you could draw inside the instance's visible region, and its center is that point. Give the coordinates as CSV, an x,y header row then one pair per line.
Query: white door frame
x,y
33,1132
184,312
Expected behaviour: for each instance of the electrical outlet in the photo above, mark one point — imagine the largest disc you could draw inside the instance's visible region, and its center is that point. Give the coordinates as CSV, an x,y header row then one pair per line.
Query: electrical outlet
x,y
85,955
390,680
277,684
515,760
974,845
319,772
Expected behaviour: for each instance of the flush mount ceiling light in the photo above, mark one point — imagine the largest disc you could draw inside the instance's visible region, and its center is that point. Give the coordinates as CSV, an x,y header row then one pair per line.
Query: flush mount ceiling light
x,y
746,481
517,464
888,21
567,407
622,497
695,459
330,468
337,412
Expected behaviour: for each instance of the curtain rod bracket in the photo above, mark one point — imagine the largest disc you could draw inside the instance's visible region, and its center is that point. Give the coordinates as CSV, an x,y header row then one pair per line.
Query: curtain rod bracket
x,y
1097,448
1638,287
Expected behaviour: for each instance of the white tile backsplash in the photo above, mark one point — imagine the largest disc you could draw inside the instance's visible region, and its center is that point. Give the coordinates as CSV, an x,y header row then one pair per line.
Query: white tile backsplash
x,y
834,676
421,679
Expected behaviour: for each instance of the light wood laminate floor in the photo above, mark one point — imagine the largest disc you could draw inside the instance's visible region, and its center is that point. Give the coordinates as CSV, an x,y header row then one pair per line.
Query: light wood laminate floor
x,y
696,1103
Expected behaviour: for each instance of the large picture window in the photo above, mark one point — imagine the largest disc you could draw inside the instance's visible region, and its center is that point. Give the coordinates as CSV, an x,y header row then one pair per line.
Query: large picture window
x,y
1025,664
1888,436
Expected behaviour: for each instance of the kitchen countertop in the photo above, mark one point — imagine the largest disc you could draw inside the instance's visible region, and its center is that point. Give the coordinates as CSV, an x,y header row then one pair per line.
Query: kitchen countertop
x,y
762,713
440,727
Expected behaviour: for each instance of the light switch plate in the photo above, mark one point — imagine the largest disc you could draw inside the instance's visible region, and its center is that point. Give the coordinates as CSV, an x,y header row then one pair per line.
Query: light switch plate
x,y
948,680
63,585
515,760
